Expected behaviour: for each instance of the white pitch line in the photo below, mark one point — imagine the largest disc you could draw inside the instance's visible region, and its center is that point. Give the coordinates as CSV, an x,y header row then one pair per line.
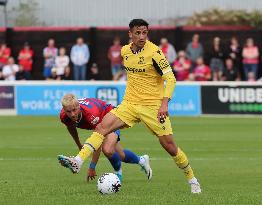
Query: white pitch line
x,y
152,159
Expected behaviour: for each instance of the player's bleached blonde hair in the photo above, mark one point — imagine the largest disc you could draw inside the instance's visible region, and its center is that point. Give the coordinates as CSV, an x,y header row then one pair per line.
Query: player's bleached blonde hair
x,y
68,99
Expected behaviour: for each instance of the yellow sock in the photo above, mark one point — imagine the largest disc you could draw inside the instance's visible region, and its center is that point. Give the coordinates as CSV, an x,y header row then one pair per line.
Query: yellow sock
x,y
182,162
91,144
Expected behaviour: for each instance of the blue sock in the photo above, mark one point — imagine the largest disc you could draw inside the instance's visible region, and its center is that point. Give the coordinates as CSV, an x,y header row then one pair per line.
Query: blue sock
x,y
130,157
115,161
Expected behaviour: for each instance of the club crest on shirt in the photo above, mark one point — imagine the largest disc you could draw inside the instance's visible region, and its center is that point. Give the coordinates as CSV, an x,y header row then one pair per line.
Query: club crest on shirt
x,y
95,120
163,63
141,60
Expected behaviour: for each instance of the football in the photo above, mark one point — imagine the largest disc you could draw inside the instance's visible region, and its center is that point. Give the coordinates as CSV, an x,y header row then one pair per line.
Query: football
x,y
108,183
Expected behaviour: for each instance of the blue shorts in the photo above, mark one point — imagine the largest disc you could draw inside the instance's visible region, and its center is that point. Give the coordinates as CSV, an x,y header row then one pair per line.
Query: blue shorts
x,y
47,72
117,132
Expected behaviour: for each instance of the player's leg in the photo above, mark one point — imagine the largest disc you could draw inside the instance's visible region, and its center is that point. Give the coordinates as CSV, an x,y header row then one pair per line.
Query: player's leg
x,y
181,161
130,157
165,134
109,151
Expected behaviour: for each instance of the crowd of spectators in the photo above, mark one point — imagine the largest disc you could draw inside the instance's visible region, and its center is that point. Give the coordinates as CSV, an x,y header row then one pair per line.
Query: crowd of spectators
x,y
220,62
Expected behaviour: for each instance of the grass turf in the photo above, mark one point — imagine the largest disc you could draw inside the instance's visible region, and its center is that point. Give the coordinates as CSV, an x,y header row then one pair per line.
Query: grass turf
x,y
225,153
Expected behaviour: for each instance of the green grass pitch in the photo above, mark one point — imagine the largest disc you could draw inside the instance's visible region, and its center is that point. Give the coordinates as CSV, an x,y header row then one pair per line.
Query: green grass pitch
x,y
226,154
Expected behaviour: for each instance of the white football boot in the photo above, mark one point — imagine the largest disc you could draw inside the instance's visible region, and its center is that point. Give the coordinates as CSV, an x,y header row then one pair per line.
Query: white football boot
x,y
144,163
195,186
70,163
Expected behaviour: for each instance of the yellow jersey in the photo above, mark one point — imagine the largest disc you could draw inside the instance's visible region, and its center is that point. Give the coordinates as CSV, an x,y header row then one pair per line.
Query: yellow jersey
x,y
145,68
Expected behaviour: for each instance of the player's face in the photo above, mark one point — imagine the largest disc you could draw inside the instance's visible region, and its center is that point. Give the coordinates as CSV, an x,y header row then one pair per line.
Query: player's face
x,y
138,35
73,111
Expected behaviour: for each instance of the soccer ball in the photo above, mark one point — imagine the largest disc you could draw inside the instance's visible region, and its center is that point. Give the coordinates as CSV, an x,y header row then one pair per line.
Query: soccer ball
x,y
108,183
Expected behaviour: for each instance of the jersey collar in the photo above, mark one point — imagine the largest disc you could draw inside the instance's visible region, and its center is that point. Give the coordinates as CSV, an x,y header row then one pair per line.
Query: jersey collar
x,y
140,50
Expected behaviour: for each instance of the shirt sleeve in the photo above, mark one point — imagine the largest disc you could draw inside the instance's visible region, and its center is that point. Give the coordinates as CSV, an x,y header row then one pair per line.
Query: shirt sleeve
x,y
164,69
160,63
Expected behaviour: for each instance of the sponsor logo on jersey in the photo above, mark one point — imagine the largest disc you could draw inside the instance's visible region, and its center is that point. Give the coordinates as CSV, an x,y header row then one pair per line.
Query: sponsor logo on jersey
x,y
135,70
95,120
141,60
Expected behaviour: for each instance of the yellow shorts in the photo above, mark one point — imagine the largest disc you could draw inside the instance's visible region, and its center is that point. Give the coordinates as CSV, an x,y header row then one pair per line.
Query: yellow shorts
x,y
132,114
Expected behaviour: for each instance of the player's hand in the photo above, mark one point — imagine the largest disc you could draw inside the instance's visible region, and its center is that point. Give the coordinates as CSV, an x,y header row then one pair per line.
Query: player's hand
x,y
91,174
163,111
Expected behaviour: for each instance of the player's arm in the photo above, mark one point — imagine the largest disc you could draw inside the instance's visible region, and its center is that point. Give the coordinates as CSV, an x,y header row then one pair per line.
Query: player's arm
x,y
164,69
91,172
74,134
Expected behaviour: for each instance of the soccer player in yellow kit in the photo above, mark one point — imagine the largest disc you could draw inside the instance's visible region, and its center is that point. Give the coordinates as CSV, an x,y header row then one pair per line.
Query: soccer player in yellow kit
x,y
146,100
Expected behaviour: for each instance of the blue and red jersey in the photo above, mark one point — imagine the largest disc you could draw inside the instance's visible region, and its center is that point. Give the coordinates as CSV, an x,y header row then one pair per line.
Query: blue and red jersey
x,y
93,111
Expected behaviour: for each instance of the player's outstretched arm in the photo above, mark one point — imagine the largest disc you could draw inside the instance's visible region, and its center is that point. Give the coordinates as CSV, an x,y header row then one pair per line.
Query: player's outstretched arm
x,y
91,172
74,134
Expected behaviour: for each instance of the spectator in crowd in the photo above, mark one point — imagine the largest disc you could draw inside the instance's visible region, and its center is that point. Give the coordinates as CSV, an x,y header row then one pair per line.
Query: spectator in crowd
x,y
50,53
54,74
201,72
230,72
67,74
234,51
5,53
20,74
94,72
168,50
10,69
181,66
216,59
25,60
80,56
194,50
114,55
61,63
250,56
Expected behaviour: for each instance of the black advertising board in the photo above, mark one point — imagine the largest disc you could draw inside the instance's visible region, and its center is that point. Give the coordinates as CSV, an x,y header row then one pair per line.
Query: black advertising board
x,y
238,99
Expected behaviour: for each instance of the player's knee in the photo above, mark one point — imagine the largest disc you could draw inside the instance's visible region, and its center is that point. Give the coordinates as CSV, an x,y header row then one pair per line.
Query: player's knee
x,y
102,129
107,150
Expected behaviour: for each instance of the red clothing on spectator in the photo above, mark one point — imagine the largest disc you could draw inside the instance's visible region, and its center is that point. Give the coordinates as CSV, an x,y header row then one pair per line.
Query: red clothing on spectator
x,y
7,52
114,53
250,51
26,62
181,72
201,72
164,50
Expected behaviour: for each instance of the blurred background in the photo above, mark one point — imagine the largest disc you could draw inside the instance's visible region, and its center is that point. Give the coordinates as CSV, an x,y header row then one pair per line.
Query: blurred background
x,y
206,43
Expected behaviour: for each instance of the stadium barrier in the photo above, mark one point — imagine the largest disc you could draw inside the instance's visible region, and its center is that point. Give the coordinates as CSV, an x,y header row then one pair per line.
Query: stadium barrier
x,y
189,99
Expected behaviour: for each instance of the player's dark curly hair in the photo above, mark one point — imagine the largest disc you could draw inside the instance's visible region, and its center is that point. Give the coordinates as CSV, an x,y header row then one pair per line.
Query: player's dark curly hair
x,y
138,22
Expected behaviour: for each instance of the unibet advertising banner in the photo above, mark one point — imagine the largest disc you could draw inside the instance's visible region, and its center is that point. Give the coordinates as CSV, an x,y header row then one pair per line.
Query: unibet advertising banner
x,y
231,99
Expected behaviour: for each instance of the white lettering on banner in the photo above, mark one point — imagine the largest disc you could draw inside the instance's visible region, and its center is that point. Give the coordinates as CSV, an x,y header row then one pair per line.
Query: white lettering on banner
x,y
110,95
188,106
58,94
5,95
240,95
36,105
57,105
